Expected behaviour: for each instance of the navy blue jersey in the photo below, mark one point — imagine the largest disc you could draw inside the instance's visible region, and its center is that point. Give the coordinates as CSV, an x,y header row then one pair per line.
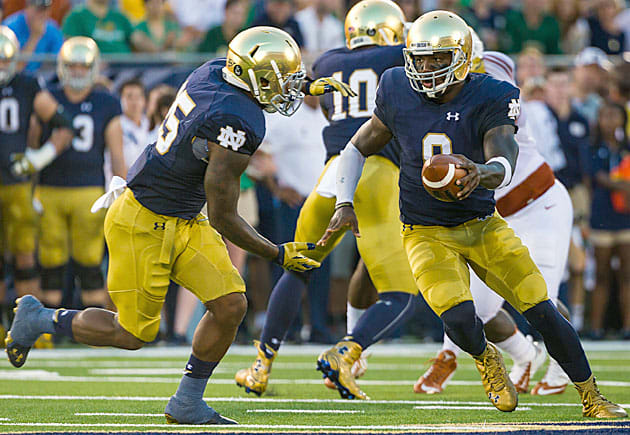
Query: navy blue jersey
x,y
424,128
168,176
575,143
16,108
361,68
82,163
603,214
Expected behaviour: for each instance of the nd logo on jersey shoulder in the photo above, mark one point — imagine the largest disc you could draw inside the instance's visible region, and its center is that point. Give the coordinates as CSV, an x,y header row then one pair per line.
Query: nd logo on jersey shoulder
x,y
514,108
228,138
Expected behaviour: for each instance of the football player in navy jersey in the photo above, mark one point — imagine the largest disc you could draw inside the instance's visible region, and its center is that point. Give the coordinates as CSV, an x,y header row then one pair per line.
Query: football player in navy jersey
x,y
155,230
20,98
69,185
374,31
434,105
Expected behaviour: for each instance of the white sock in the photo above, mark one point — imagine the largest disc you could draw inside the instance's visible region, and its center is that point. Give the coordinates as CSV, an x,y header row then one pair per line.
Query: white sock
x,y
449,345
518,347
353,315
577,317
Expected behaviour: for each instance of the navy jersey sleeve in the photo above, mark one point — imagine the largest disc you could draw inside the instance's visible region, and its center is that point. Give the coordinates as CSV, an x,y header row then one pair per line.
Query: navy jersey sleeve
x,y
231,132
500,111
384,109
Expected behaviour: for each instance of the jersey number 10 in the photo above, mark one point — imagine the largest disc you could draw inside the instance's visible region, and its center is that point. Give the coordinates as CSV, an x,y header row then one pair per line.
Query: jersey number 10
x,y
364,81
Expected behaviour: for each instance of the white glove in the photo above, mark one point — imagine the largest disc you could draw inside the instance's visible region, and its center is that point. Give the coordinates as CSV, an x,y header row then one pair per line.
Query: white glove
x,y
116,188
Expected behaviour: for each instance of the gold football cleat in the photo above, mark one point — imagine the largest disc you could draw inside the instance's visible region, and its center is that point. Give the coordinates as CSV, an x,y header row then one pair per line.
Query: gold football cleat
x,y
494,377
336,365
45,341
594,404
255,378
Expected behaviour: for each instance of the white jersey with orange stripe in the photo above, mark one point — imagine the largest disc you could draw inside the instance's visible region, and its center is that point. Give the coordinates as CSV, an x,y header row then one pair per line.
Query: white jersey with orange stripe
x,y
501,67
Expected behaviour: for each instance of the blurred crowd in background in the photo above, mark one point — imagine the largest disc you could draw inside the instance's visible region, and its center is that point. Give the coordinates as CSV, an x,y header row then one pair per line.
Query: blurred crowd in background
x,y
572,66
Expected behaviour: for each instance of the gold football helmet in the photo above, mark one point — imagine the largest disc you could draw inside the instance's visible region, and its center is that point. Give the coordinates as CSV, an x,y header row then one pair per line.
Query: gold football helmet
x,y
434,32
9,50
267,62
374,22
477,53
77,63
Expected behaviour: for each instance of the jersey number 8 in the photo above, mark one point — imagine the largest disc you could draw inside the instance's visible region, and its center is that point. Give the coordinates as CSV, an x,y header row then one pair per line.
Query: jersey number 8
x,y
436,143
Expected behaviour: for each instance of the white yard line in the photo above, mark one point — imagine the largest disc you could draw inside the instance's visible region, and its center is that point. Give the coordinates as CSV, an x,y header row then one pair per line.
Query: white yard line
x,y
116,414
44,375
270,400
484,408
386,350
308,411
169,367
238,428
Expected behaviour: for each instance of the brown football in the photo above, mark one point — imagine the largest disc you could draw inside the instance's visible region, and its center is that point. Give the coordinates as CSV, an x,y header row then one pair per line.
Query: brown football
x,y
439,175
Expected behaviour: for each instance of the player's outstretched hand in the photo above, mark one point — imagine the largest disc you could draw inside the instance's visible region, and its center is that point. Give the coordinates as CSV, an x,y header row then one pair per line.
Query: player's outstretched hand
x,y
343,219
291,258
470,181
328,84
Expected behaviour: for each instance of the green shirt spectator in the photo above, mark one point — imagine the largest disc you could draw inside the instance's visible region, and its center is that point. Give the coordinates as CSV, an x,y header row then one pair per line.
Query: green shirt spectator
x,y
171,32
532,26
217,38
108,27
157,33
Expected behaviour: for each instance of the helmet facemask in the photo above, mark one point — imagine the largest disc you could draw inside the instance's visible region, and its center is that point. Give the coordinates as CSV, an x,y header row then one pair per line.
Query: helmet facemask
x,y
440,79
77,81
286,92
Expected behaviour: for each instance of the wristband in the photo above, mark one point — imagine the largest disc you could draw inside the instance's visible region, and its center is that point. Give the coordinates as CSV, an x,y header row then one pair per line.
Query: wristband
x,y
41,157
508,170
344,204
280,257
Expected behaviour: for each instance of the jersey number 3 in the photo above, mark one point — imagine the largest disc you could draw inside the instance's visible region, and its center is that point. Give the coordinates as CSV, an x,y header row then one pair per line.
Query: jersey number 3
x,y
170,126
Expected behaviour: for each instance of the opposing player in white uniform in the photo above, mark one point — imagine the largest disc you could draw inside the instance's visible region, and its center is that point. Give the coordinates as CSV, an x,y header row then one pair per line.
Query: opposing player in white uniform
x,y
539,210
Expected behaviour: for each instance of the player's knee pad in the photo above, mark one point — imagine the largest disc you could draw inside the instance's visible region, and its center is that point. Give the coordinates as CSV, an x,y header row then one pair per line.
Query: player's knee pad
x,y
53,277
91,277
26,273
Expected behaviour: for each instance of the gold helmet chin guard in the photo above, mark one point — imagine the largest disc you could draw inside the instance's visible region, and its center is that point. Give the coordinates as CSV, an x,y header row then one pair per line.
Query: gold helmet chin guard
x,y
374,22
79,50
9,51
267,62
435,32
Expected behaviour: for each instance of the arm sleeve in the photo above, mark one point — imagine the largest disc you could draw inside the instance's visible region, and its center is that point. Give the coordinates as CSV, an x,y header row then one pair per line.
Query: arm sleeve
x,y
383,110
500,111
232,133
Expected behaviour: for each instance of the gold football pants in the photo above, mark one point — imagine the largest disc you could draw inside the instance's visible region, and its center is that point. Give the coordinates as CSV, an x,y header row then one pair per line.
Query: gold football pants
x,y
376,206
68,228
439,257
147,249
18,218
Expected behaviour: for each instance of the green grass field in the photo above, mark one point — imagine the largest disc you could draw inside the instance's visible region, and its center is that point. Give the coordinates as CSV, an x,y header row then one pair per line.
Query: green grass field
x,y
107,390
